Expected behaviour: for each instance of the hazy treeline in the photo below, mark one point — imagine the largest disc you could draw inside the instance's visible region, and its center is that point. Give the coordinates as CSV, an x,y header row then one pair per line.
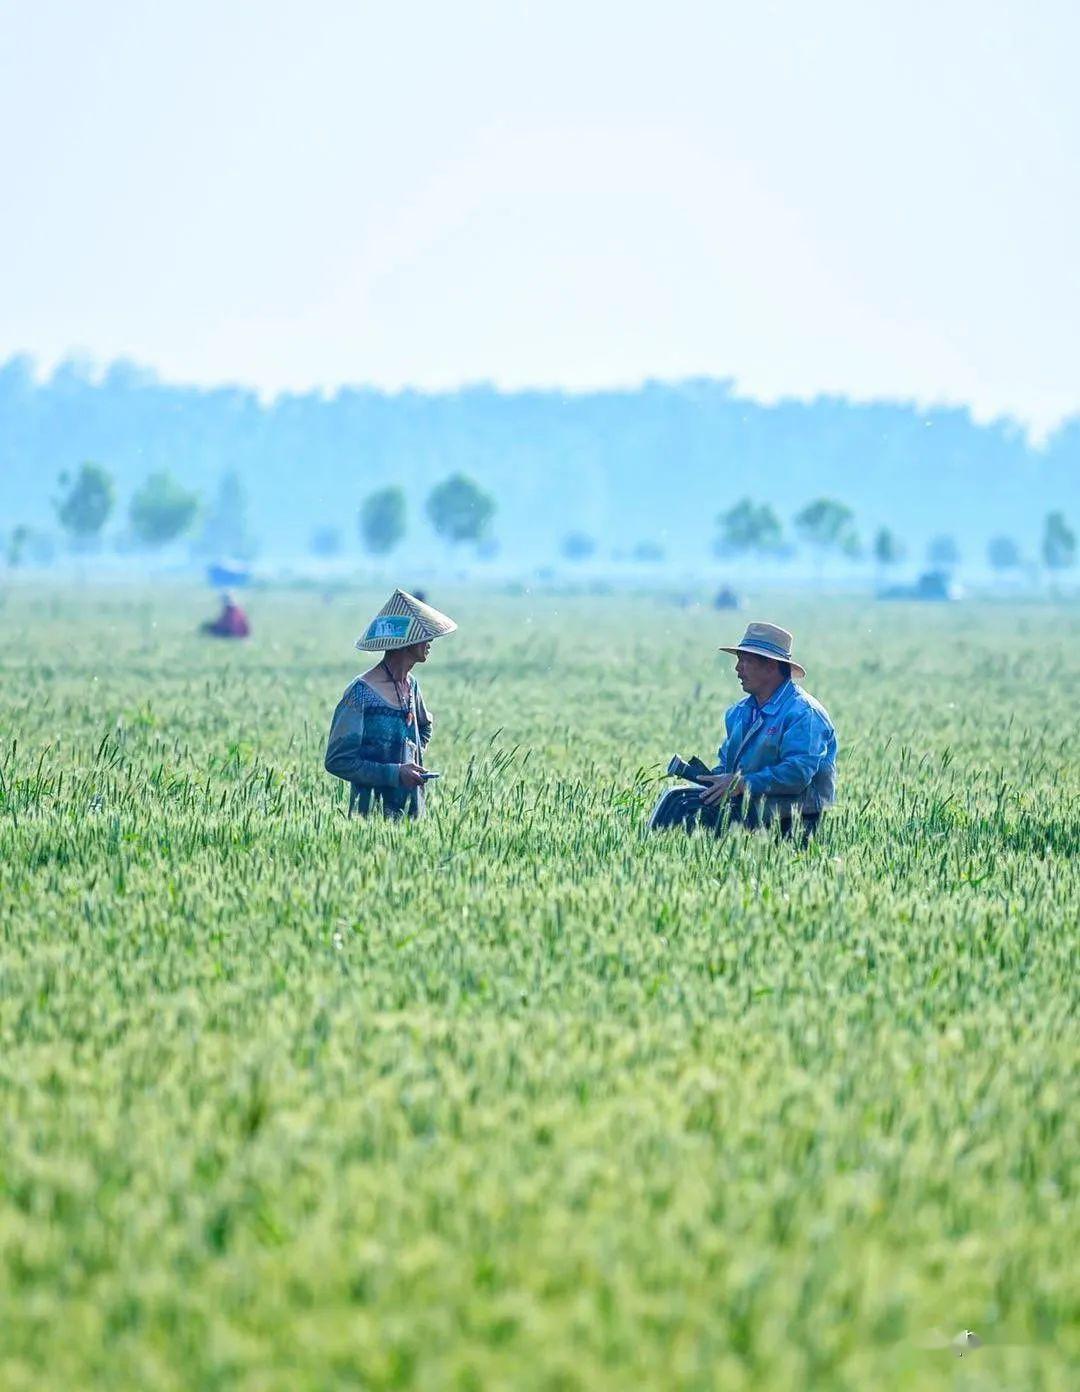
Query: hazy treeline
x,y
655,464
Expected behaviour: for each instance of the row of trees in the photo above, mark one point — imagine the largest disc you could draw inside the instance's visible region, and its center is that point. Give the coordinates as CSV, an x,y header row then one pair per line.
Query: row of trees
x,y
827,527
580,546
461,513
459,510
541,453
161,510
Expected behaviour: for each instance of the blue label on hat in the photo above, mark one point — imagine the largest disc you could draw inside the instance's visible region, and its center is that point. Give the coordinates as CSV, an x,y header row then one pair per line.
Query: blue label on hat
x,y
390,626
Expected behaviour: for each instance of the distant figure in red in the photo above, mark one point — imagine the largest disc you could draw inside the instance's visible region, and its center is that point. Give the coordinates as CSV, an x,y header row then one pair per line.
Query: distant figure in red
x,y
232,622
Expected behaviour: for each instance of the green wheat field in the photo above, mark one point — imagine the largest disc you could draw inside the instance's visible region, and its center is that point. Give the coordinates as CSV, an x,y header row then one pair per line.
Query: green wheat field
x,y
517,1097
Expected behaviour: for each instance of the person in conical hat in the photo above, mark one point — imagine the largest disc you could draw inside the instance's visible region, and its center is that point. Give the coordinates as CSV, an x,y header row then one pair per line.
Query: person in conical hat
x,y
778,758
381,726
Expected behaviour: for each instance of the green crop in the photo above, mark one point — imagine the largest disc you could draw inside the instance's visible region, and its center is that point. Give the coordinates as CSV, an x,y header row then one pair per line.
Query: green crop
x,y
518,1097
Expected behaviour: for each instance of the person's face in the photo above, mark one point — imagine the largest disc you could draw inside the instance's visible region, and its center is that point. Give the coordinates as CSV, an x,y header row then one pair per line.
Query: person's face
x,y
420,651
755,673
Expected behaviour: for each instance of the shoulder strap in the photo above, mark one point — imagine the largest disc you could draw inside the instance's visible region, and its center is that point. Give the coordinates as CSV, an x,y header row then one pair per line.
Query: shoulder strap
x,y
754,728
416,721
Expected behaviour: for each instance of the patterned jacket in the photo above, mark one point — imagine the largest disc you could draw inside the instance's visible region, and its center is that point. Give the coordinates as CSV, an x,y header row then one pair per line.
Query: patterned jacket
x,y
368,742
786,750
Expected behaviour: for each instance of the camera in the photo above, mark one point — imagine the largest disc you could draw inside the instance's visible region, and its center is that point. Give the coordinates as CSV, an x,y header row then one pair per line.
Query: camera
x,y
693,769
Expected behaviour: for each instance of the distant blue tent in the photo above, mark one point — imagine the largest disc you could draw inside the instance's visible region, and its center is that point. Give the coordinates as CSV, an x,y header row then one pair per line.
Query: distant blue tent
x,y
228,575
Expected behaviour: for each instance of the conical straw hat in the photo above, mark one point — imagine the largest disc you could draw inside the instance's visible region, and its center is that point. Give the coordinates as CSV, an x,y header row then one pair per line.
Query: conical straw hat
x,y
402,621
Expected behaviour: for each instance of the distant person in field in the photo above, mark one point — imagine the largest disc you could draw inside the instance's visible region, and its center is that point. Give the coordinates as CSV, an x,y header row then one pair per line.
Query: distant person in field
x,y
232,622
777,764
726,598
381,726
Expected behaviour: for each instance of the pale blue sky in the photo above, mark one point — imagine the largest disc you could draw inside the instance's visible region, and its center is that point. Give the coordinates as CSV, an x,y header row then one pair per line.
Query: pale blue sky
x,y
817,195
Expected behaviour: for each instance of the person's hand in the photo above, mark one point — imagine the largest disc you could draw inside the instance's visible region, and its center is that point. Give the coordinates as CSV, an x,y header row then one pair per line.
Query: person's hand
x,y
410,775
719,786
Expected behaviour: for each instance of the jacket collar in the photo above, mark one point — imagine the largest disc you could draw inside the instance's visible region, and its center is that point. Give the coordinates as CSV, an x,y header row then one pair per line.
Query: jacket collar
x,y
776,701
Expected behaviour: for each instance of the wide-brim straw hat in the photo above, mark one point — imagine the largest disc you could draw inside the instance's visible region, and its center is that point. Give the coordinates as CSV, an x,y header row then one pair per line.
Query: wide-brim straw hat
x,y
766,640
402,621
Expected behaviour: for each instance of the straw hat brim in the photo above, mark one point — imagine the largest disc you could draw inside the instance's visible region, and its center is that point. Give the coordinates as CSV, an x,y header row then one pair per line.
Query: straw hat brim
x,y
393,644
403,621
797,669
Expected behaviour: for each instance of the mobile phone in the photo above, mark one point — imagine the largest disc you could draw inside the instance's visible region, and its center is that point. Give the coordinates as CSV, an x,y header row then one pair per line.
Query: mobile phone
x,y
429,773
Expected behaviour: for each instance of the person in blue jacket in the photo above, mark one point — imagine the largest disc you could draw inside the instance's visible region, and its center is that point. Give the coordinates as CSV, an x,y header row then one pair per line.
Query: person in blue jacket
x,y
777,763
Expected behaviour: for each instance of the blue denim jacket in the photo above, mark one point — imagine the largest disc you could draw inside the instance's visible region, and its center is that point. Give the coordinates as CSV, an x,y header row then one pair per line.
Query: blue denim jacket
x,y
785,749
369,741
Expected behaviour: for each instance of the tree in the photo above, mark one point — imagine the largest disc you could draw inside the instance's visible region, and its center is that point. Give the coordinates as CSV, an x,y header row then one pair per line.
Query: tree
x,y
1058,543
85,507
24,544
16,545
827,525
1003,553
577,546
888,550
382,520
748,527
225,529
325,541
943,551
161,510
649,552
460,510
